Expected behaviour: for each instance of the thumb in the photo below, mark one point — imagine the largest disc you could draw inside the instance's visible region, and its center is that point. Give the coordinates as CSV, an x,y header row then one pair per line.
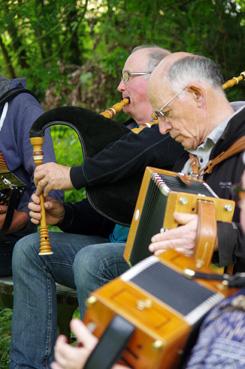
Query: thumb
x,y
184,218
83,334
48,205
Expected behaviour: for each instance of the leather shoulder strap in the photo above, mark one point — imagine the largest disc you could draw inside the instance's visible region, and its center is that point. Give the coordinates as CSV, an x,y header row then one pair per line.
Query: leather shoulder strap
x,y
9,95
234,149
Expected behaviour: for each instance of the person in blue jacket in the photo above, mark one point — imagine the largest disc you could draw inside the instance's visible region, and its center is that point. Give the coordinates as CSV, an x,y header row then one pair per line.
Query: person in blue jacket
x,y
17,113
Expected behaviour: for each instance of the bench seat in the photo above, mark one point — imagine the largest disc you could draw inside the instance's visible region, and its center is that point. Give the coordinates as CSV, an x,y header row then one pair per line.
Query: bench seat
x,y
66,302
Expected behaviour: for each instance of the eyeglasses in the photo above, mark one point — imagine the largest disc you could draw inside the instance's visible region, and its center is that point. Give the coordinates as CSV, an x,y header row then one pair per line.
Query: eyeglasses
x,y
161,113
126,75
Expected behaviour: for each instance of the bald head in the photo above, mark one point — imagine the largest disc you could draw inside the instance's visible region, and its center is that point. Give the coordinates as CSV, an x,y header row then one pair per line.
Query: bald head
x,y
186,93
159,76
152,53
181,68
139,65
163,68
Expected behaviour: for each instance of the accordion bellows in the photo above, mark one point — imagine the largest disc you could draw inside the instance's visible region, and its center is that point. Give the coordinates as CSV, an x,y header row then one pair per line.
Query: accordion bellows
x,y
161,194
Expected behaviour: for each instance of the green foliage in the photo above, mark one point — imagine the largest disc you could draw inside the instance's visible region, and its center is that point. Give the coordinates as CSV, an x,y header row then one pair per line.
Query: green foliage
x,y
5,320
77,47
68,152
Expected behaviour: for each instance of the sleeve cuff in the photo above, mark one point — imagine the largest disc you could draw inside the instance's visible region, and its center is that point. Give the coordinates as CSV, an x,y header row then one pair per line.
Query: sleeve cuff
x,y
77,177
68,218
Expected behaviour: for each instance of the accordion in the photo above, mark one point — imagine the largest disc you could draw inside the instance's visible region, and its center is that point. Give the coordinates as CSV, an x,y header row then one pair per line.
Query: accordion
x,y
11,189
161,194
154,307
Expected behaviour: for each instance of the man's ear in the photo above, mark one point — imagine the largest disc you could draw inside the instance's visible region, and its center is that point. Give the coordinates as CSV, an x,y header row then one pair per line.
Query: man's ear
x,y
198,94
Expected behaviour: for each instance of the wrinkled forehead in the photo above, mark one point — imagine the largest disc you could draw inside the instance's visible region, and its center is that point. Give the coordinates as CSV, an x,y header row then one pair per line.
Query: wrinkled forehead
x,y
159,91
138,61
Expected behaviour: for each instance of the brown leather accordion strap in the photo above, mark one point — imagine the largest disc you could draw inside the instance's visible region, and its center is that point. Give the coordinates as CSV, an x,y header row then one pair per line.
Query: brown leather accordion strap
x,y
237,147
206,233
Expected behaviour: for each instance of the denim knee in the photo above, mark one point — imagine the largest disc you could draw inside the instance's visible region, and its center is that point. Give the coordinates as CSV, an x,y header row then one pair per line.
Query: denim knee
x,y
95,265
84,263
25,250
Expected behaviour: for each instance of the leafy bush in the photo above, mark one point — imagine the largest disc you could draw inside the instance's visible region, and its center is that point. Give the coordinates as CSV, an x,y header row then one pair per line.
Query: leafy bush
x,y
68,152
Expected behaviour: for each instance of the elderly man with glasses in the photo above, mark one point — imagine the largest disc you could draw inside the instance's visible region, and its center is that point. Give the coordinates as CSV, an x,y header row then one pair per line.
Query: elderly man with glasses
x,y
187,95
72,263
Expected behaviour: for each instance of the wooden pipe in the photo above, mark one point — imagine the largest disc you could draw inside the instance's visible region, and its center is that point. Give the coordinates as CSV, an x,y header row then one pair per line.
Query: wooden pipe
x,y
45,246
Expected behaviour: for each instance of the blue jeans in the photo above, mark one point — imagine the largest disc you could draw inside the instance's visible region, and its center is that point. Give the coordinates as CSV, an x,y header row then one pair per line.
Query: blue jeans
x,y
73,264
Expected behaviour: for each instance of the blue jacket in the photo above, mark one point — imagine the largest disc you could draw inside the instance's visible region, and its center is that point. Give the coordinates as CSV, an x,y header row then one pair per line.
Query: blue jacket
x,y
15,145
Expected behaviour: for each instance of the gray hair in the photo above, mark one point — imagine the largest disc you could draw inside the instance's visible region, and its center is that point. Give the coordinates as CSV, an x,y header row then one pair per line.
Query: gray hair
x,y
156,54
198,68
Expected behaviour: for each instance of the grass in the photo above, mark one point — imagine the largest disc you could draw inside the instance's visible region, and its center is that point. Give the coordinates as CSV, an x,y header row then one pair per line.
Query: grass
x,y
5,337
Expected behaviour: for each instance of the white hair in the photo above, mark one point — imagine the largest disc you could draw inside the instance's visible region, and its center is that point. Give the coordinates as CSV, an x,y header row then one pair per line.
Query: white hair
x,y
194,68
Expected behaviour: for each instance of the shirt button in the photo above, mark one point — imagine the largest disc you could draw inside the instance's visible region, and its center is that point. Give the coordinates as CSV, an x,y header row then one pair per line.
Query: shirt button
x,y
201,160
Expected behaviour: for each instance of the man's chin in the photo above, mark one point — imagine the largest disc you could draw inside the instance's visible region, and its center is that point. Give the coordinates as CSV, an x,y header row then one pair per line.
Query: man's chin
x,y
187,145
126,109
177,138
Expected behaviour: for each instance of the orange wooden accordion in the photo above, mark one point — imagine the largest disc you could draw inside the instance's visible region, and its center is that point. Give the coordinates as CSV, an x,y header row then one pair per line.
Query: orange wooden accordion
x,y
155,307
161,194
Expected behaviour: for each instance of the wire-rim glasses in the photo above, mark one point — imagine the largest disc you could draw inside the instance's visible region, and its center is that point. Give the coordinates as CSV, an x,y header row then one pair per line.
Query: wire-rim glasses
x,y
126,75
163,114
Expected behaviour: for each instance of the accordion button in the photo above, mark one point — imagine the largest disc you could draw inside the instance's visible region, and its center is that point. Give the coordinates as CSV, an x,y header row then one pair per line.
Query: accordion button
x,y
183,200
158,344
228,207
143,304
91,300
137,214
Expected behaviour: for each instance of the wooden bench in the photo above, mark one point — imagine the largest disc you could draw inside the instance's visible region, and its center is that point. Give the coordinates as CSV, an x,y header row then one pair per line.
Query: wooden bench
x,y
66,302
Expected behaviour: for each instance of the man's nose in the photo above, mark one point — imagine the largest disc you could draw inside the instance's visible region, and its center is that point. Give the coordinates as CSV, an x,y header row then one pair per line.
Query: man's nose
x,y
121,87
164,125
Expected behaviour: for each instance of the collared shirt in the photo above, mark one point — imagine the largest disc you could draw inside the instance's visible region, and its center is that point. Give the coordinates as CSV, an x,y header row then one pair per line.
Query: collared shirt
x,y
203,151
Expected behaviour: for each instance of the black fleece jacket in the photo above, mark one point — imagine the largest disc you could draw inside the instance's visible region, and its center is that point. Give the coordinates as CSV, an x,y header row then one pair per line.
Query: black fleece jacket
x,y
126,156
123,161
